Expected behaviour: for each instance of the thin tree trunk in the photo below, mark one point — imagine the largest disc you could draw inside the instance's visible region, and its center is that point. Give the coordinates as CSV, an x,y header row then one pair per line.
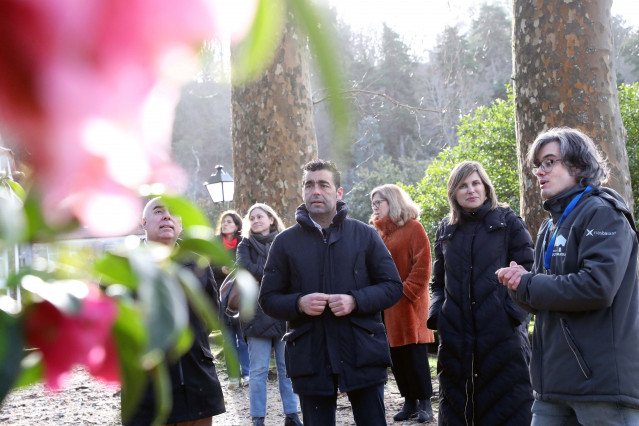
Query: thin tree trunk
x,y
273,132
564,76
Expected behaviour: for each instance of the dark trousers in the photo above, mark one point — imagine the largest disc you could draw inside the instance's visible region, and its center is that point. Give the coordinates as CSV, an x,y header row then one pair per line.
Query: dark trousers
x,y
412,371
367,404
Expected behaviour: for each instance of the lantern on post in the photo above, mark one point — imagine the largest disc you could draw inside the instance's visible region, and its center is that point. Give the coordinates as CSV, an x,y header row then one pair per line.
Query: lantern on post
x,y
220,185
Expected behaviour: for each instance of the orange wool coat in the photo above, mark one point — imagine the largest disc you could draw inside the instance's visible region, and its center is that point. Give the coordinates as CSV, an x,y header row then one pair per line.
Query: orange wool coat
x,y
406,320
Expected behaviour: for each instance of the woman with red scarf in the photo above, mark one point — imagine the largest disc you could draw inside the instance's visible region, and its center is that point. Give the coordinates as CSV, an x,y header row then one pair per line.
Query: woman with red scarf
x,y
229,230
395,216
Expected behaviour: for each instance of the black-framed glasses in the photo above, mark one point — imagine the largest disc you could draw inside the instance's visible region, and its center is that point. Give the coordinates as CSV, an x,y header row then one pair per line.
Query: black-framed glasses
x,y
375,204
546,165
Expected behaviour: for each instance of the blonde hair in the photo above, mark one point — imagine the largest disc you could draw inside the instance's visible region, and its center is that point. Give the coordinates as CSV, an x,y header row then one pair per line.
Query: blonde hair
x,y
401,207
277,224
457,177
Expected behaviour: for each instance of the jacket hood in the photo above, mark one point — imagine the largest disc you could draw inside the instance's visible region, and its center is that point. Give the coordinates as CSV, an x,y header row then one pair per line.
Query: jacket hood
x,y
557,204
303,217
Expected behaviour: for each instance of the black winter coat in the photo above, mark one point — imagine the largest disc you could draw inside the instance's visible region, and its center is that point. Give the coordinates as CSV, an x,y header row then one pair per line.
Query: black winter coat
x,y
484,349
261,325
586,339
196,390
350,258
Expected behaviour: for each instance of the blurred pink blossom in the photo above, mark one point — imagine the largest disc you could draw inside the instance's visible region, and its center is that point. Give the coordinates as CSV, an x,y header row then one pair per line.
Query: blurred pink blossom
x,y
75,84
83,338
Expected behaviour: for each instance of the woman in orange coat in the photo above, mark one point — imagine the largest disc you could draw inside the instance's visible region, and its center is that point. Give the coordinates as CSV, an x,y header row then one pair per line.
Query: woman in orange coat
x,y
395,218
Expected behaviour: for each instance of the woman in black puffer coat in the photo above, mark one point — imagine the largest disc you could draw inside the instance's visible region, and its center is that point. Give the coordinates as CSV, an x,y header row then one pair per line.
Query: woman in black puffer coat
x,y
263,332
484,349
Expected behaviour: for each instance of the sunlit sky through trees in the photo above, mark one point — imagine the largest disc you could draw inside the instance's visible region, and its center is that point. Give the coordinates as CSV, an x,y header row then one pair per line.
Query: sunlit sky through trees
x,y
420,21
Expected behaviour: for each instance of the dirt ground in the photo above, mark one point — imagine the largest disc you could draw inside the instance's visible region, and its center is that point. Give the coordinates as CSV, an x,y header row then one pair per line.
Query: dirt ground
x,y
89,402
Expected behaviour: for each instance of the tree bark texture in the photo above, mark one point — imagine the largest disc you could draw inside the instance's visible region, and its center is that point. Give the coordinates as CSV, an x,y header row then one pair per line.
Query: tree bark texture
x,y
273,131
564,76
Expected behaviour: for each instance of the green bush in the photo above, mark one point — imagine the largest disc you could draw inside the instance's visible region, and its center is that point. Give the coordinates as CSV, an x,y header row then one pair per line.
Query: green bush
x,y
486,136
629,105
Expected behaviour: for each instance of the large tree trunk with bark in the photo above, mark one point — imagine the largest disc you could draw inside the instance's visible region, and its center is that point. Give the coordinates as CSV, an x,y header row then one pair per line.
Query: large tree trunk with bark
x,y
564,76
273,132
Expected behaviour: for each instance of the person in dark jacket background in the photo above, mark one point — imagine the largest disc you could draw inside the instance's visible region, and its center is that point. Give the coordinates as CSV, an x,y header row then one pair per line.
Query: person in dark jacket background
x,y
196,391
263,332
395,216
229,230
582,289
330,277
484,349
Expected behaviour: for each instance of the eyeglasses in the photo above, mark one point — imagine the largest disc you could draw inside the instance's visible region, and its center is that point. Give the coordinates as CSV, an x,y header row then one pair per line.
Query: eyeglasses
x,y
375,204
546,165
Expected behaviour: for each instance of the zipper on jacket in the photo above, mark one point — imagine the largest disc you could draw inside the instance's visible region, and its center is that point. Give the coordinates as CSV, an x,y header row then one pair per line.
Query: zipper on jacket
x,y
573,347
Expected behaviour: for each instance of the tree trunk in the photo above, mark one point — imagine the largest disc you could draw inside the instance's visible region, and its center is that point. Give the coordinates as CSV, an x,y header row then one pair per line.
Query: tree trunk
x,y
564,76
273,132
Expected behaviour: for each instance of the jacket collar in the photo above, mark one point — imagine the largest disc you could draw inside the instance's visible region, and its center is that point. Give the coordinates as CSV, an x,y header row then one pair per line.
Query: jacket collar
x,y
303,217
476,215
492,219
385,226
557,204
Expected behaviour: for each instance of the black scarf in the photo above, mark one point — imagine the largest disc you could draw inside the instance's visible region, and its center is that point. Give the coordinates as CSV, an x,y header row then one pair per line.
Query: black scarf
x,y
262,244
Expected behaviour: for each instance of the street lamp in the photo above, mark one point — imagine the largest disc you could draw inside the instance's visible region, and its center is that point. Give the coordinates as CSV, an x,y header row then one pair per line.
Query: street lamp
x,y
220,185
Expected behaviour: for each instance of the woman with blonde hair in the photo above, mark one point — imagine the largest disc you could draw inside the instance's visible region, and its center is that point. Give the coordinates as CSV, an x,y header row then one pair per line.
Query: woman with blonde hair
x,y
395,216
484,349
262,332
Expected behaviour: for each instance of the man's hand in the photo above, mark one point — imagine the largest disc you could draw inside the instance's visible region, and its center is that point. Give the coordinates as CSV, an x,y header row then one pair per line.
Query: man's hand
x,y
341,304
511,276
313,304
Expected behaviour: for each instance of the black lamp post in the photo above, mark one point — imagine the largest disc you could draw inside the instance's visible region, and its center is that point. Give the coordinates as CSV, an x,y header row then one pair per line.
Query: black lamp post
x,y
220,185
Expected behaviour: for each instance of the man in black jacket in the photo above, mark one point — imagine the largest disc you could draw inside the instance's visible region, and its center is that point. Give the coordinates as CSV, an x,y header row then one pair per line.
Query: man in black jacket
x,y
583,290
330,277
196,391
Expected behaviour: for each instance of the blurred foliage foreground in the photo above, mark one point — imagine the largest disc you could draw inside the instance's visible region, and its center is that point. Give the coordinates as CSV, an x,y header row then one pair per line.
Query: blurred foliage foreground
x,y
123,316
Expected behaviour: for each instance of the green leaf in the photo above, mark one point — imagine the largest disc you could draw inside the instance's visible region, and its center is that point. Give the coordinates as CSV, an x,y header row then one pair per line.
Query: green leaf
x,y
212,250
198,299
256,51
114,269
131,339
190,214
16,188
32,370
11,353
163,393
164,308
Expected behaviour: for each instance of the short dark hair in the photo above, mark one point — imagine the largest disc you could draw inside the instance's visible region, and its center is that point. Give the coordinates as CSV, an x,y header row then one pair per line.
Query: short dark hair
x,y
577,151
319,164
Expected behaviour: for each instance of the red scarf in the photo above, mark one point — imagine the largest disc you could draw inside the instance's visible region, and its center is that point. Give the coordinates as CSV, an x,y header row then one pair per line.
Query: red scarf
x,y
229,245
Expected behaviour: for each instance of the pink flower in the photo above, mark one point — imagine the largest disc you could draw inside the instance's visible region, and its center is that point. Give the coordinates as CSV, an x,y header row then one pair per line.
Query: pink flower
x,y
75,80
81,338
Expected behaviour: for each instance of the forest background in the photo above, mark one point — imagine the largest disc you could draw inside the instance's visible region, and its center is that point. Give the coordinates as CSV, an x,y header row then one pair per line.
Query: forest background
x,y
417,112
